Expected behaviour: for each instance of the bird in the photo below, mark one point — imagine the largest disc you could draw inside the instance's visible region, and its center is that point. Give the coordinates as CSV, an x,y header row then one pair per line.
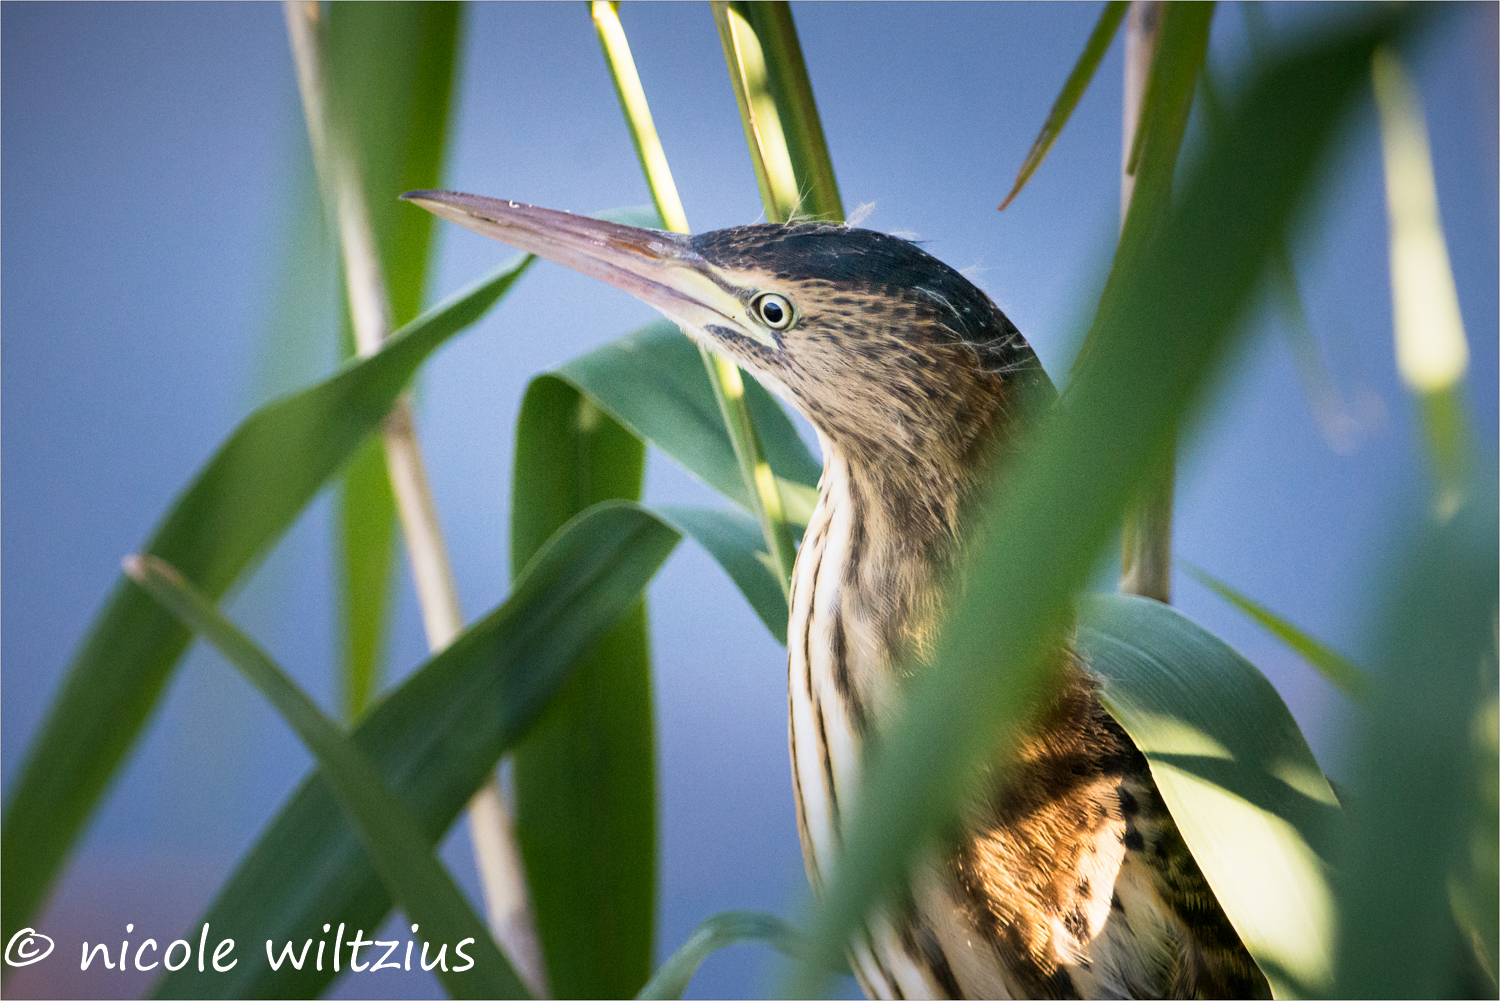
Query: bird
x,y
1067,876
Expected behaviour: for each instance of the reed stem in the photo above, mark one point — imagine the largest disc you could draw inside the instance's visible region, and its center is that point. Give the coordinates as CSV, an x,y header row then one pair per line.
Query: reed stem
x,y
502,878
725,377
1146,543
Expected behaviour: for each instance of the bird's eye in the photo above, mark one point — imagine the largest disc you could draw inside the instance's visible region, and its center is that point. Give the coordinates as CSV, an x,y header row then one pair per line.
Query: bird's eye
x,y
773,310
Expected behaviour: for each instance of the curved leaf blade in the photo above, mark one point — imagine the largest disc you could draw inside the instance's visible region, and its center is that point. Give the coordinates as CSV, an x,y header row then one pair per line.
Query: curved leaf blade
x,y
1236,774
585,775
236,507
1330,663
433,740
652,381
735,542
717,932
1072,91
401,852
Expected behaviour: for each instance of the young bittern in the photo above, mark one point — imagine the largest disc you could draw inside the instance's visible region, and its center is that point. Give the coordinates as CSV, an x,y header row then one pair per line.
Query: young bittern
x,y
1069,878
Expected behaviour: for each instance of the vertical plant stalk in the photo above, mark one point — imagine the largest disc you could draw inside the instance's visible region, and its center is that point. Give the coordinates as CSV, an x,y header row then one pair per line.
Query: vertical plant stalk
x,y
776,103
1146,542
1432,351
768,151
497,857
723,374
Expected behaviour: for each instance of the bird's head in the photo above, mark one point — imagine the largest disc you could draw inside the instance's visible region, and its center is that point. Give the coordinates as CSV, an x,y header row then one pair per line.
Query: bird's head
x,y
894,356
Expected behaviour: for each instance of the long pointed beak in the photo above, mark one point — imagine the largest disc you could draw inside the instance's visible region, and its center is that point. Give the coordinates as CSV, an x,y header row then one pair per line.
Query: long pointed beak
x,y
657,267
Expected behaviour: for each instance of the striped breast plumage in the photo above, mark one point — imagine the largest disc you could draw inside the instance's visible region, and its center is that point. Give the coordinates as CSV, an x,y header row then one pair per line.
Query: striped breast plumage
x,y
1069,878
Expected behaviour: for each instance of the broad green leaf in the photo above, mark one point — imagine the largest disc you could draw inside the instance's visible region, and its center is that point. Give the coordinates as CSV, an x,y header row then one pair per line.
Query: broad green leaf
x,y
585,776
1419,808
1072,90
1331,664
734,540
434,740
1165,320
391,70
725,929
400,851
1236,774
235,508
653,382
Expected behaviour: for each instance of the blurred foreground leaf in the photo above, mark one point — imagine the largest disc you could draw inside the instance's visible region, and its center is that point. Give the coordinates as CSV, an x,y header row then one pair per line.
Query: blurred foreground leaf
x,y
1168,313
1236,774
1330,663
585,775
1432,352
228,517
400,851
434,740
1414,831
1181,46
1072,90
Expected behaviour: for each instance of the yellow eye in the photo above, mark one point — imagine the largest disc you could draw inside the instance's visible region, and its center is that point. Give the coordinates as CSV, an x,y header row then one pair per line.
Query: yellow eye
x,y
773,310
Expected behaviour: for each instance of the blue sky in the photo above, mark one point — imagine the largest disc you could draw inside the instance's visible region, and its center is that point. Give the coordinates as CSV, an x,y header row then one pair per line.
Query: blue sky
x,y
152,160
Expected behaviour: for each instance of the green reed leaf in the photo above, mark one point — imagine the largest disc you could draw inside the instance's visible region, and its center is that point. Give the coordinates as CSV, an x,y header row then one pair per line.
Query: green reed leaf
x,y
1239,779
391,71
653,376
1073,87
652,381
434,740
735,542
402,854
239,503
1328,662
1165,319
585,776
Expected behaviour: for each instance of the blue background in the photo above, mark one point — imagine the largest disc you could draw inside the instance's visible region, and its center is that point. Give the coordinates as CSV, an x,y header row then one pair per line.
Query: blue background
x,y
153,160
